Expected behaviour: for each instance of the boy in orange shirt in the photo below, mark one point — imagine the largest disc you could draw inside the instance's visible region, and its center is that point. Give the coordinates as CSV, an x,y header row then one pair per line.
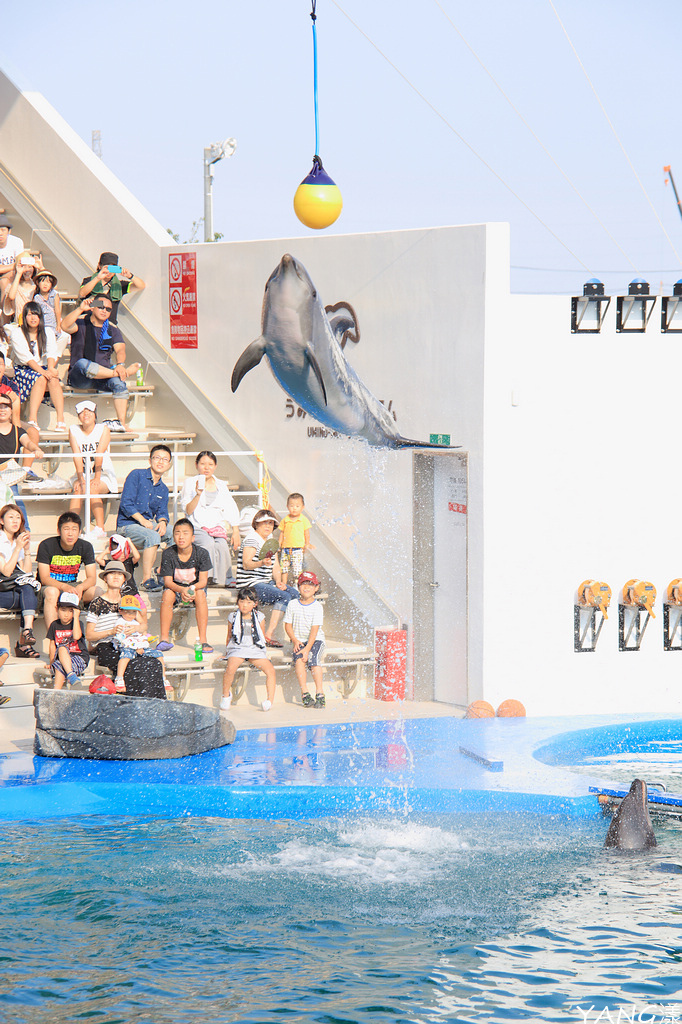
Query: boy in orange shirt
x,y
294,537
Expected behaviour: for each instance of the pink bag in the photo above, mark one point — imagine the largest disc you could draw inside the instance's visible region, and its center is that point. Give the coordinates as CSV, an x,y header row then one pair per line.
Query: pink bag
x,y
215,531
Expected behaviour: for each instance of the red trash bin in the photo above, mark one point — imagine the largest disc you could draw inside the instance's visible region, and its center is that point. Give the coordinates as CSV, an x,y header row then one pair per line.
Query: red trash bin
x,y
390,651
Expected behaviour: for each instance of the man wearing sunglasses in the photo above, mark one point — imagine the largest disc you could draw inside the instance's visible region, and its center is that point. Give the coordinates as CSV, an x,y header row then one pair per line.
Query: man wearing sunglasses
x,y
98,354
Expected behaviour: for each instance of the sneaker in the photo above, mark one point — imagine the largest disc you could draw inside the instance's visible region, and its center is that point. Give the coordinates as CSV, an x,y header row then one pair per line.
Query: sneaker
x,y
115,426
225,702
152,584
4,700
320,702
307,701
72,679
119,683
31,477
164,645
266,705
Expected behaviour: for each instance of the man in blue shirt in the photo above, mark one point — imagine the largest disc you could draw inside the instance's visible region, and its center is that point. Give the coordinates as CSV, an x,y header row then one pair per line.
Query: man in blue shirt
x,y
143,511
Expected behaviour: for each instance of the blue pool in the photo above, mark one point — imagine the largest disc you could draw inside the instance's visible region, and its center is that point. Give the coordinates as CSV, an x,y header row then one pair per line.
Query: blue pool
x,y
319,875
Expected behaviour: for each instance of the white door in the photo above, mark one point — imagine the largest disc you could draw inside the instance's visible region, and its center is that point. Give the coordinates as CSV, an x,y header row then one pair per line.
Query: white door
x,y
440,577
450,493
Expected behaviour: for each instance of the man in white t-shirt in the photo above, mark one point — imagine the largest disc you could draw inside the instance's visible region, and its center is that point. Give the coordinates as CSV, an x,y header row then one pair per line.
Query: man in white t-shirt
x,y
10,246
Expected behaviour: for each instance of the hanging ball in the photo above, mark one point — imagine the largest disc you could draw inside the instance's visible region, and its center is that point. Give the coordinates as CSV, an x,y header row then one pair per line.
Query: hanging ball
x,y
317,202
511,709
480,709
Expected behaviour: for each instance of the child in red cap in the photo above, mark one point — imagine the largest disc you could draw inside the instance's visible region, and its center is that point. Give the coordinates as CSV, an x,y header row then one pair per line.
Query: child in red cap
x,y
303,626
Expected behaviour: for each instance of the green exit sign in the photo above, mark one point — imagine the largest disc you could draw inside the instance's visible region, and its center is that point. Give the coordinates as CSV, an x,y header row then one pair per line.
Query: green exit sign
x,y
443,439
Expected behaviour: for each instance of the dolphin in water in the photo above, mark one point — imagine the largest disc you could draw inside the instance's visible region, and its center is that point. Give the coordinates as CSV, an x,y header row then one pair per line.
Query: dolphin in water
x,y
631,826
303,346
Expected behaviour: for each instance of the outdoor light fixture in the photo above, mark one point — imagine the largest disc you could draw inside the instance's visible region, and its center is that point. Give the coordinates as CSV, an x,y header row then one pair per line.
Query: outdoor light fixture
x,y
634,309
589,309
671,311
212,154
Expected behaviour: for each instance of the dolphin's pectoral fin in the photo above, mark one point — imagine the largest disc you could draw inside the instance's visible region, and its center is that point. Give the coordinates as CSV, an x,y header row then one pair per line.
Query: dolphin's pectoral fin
x,y
315,367
250,357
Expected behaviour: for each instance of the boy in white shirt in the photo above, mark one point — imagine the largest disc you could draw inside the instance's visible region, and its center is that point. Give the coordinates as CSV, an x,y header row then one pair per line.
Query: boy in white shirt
x,y
303,626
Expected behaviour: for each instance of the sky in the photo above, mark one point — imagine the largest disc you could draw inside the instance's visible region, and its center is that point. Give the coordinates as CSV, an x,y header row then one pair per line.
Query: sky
x,y
556,116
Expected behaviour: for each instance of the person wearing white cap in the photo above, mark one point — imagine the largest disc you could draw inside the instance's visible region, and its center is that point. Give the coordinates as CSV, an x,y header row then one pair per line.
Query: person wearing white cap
x,y
90,440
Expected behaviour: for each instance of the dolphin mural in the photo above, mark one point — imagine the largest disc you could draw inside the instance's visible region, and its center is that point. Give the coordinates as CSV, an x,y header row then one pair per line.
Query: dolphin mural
x,y
631,826
302,343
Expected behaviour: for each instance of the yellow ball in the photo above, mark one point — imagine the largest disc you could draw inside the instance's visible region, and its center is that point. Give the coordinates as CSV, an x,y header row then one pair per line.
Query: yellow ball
x,y
317,202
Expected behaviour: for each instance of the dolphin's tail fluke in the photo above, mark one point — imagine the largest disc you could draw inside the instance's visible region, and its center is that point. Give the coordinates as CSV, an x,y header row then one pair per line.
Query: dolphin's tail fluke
x,y
406,442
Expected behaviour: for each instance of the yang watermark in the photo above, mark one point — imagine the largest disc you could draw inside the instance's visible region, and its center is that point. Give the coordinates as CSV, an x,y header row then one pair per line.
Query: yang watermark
x,y
628,1014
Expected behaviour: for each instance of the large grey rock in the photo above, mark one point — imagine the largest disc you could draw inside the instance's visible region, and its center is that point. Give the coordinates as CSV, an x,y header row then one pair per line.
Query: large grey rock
x,y
119,728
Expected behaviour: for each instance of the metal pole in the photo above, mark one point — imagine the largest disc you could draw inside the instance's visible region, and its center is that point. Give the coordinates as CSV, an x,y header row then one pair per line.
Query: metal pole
x,y
208,196
86,517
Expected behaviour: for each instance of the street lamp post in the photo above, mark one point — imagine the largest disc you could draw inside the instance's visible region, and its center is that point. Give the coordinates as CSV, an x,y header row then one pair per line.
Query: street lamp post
x,y
212,154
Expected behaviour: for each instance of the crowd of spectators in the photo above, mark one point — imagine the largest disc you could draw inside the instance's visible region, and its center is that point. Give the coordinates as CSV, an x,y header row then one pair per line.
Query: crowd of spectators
x,y
195,554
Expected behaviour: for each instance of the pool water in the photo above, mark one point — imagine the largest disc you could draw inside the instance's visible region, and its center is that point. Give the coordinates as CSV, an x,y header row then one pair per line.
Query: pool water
x,y
463,918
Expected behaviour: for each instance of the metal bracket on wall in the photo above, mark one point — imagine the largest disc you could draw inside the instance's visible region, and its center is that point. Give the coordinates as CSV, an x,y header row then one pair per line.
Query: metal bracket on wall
x,y
634,624
674,621
584,622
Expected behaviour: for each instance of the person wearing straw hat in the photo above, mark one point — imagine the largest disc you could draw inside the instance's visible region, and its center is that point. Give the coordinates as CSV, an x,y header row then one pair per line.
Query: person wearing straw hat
x,y
46,296
103,620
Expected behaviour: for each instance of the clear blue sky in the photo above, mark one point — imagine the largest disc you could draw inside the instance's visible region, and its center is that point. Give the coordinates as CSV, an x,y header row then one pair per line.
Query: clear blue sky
x,y
161,81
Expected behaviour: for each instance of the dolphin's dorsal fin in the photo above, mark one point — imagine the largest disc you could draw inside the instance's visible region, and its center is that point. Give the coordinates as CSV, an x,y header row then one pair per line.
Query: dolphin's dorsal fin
x,y
250,357
343,321
315,367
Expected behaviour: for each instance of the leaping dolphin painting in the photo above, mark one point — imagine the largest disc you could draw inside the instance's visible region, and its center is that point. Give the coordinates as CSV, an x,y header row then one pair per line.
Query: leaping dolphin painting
x,y
303,348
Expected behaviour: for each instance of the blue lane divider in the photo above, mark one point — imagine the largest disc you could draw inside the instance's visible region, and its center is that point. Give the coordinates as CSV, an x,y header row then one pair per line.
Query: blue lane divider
x,y
655,795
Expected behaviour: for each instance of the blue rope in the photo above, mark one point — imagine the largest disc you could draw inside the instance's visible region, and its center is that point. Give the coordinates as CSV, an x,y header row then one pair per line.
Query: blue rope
x,y
313,15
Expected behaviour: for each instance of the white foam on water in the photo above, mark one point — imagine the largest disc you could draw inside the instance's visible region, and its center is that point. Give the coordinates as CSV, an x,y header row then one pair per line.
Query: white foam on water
x,y
390,853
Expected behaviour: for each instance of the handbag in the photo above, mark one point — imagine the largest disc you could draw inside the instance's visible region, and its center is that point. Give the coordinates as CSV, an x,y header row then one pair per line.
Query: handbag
x,y
18,578
215,531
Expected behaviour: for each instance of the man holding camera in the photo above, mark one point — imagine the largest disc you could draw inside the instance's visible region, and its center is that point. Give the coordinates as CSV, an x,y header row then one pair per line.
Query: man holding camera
x,y
112,280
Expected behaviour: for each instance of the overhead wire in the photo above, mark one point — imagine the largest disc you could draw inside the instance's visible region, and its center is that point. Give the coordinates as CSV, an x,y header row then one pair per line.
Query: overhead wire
x,y
461,138
535,135
615,133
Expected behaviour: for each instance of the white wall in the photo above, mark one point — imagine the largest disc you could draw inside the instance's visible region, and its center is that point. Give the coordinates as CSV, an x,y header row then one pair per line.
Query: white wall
x,y
582,482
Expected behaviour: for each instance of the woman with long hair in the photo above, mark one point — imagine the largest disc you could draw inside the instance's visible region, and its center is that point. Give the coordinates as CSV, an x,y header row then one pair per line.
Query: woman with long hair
x,y
213,512
35,356
15,558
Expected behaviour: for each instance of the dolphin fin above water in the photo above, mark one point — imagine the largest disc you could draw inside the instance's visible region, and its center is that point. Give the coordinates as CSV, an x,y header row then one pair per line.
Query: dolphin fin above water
x,y
303,342
631,827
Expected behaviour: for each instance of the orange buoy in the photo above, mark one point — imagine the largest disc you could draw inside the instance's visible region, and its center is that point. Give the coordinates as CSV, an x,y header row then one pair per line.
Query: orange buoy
x,y
480,709
511,709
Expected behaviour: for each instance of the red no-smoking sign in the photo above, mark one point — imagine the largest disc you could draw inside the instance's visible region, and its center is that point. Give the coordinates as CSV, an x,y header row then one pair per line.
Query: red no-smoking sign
x,y
182,299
